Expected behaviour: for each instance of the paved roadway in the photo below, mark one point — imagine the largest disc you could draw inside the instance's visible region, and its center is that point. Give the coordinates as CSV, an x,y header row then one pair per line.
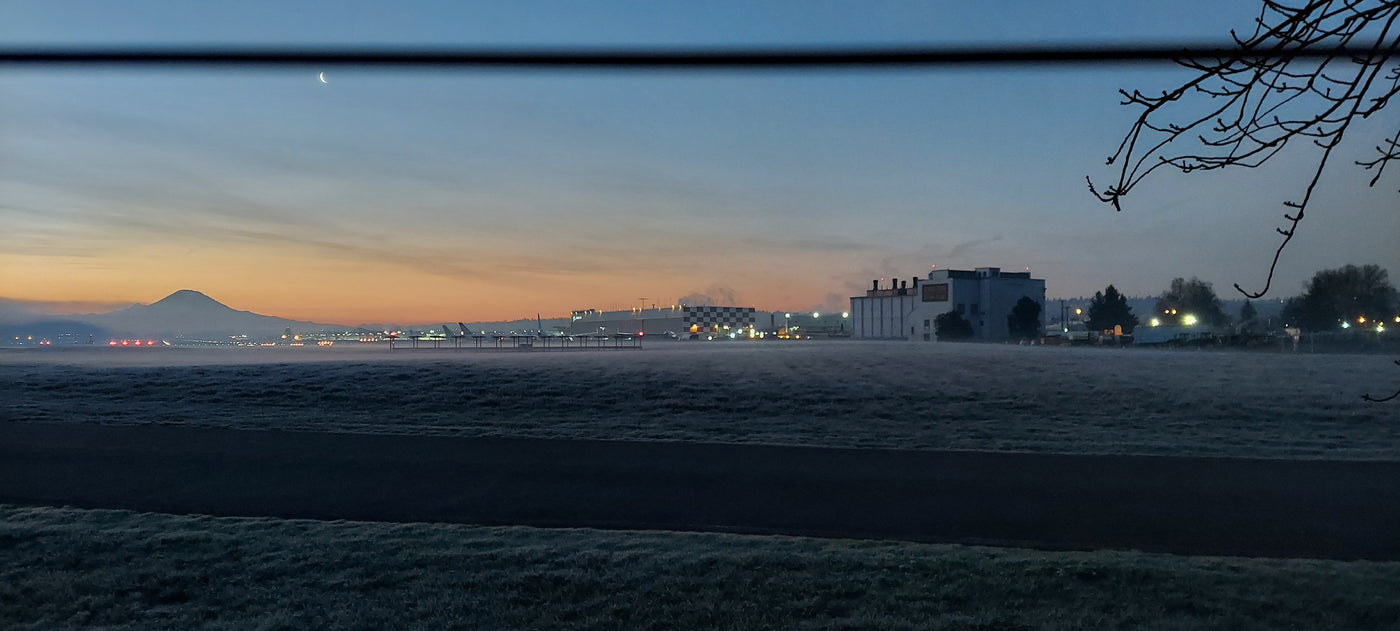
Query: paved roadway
x,y
1180,505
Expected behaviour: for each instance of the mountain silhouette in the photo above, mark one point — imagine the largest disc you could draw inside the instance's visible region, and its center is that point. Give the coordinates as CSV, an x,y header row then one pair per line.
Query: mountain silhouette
x,y
191,314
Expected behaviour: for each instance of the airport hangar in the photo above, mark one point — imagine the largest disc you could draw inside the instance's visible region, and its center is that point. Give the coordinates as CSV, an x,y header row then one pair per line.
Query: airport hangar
x,y
983,296
678,320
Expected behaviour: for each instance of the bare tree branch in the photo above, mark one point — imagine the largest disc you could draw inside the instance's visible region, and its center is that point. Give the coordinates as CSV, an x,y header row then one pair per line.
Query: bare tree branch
x,y
1246,108
1396,395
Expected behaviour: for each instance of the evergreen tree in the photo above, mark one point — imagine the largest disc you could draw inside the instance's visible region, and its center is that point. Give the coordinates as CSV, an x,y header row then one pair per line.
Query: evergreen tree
x,y
1110,308
1023,323
1247,311
1247,315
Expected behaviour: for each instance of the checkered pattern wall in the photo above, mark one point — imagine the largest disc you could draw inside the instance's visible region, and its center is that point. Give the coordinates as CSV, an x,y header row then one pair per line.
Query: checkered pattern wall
x,y
706,317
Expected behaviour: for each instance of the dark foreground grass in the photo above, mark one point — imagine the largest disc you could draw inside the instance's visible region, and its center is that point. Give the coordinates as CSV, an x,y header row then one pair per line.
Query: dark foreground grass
x,y
64,568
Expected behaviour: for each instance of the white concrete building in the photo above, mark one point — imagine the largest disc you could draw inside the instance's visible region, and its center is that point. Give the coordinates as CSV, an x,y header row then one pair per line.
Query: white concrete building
x,y
983,296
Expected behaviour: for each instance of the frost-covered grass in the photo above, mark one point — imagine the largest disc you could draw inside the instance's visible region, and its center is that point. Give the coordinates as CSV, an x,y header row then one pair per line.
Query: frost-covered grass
x,y
65,568
861,394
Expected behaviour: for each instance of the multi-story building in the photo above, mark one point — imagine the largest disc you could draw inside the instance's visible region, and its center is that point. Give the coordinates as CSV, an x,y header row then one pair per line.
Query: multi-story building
x,y
983,296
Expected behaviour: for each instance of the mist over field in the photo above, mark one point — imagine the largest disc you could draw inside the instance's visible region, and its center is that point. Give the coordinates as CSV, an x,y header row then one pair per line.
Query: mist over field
x,y
852,394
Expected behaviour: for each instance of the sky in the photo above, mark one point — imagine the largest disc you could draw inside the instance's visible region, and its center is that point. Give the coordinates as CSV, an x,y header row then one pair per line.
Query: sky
x,y
473,195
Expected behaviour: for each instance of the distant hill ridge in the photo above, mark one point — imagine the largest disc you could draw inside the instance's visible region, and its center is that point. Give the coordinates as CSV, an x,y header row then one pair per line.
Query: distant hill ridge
x,y
189,313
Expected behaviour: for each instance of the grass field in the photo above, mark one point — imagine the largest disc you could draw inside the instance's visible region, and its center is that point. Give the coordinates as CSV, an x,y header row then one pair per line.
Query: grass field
x,y
67,568
64,568
850,394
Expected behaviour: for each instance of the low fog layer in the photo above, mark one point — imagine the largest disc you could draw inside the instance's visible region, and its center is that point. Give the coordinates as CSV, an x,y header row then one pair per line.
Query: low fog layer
x,y
885,395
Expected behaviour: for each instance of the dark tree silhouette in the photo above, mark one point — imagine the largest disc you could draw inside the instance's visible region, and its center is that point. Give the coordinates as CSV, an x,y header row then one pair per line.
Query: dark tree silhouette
x,y
1110,308
1241,110
1247,311
1193,297
1352,295
1023,323
1247,315
951,327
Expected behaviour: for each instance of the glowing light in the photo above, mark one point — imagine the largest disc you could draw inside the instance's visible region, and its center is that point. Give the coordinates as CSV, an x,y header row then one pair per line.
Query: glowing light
x,y
816,314
787,315
1155,322
1078,311
1346,325
1188,319
847,314
1380,328
1361,320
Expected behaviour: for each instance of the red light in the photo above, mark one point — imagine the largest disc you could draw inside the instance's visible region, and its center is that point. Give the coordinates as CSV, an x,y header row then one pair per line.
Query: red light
x,y
150,342
126,342
111,342
641,333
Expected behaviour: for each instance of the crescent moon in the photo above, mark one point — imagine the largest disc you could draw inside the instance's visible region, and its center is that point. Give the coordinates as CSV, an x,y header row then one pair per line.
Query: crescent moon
x,y
322,77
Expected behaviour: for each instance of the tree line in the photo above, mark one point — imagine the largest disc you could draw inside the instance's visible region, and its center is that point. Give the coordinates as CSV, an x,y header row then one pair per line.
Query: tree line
x,y
1333,299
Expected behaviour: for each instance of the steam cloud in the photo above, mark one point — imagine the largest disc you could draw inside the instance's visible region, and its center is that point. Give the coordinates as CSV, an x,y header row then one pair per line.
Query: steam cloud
x,y
711,296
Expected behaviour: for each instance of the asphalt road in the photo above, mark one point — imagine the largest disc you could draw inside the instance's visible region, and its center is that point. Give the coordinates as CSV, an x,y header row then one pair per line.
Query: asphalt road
x,y
1214,506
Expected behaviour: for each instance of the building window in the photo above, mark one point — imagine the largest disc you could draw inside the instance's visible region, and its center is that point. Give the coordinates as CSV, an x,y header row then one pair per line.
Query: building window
x,y
925,326
936,293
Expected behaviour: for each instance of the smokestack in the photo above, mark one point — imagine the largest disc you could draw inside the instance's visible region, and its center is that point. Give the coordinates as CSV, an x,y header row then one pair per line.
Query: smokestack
x,y
904,284
875,285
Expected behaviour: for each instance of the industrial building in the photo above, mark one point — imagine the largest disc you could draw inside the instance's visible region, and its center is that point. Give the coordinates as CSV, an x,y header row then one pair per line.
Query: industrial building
x,y
680,321
983,296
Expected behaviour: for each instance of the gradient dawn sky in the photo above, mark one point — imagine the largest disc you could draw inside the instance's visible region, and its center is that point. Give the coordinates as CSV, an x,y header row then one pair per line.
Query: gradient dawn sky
x,y
447,195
